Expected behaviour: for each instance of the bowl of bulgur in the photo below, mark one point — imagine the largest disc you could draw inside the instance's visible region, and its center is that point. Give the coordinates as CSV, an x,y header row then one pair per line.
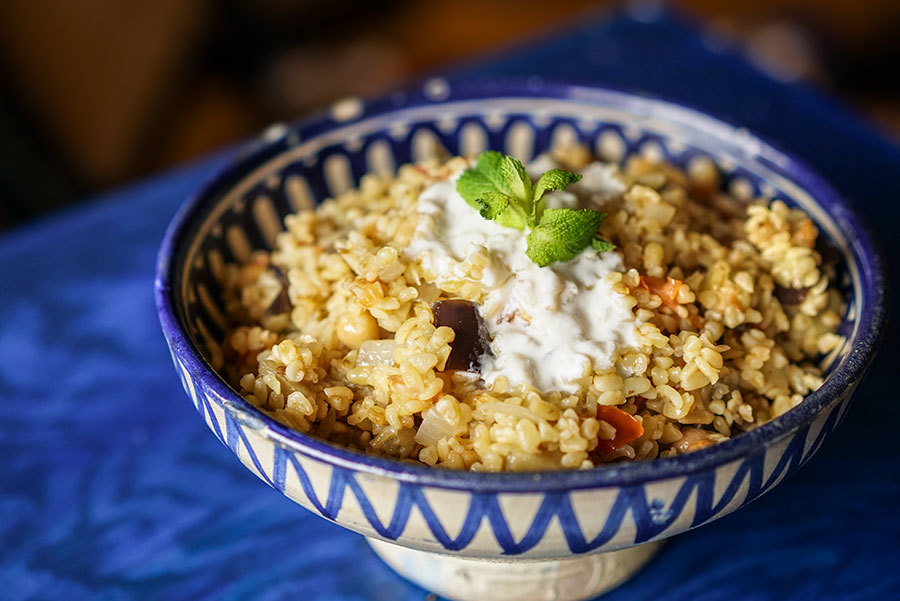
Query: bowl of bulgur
x,y
535,321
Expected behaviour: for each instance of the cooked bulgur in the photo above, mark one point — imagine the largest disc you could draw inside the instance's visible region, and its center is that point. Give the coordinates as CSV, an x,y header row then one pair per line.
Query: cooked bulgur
x,y
732,303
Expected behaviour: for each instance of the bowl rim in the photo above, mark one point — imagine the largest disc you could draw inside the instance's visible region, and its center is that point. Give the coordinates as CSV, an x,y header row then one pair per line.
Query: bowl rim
x,y
865,252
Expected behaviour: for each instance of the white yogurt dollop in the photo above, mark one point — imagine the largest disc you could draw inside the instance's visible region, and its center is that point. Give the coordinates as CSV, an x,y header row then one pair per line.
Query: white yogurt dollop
x,y
548,325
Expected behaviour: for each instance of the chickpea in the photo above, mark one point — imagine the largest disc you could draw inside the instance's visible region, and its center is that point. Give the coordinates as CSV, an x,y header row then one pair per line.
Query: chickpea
x,y
355,328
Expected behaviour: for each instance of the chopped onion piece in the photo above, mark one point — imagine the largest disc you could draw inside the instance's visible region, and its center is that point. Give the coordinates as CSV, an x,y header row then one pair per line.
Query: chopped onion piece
x,y
376,352
434,427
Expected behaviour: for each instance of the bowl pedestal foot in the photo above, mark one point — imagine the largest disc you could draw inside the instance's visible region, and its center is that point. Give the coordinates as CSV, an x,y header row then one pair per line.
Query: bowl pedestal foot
x,y
571,578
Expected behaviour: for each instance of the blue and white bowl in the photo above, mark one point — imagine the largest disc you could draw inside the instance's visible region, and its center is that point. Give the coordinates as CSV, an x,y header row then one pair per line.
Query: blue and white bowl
x,y
517,535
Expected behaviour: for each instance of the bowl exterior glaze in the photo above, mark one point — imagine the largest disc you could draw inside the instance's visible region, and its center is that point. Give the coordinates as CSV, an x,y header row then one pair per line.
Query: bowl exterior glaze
x,y
533,515
534,525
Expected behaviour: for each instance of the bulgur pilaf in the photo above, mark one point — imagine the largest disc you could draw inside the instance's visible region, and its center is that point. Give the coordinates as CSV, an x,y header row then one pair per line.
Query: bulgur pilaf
x,y
731,306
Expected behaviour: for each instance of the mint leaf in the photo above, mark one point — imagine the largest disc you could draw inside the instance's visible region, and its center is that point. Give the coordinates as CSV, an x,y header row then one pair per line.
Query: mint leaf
x,y
492,204
489,161
555,179
602,245
502,209
490,164
494,172
516,179
472,185
561,235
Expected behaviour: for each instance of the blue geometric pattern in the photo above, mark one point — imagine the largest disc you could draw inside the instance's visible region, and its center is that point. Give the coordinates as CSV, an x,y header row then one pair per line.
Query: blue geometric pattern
x,y
652,516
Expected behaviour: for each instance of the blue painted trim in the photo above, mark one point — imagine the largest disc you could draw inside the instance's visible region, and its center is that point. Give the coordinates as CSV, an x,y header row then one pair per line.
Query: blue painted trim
x,y
651,518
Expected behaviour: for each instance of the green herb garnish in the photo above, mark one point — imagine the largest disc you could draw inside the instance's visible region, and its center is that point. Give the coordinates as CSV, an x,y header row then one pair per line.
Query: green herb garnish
x,y
499,188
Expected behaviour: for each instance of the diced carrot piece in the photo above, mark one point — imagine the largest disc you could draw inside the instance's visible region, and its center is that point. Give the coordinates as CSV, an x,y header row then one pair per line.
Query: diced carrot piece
x,y
665,288
628,428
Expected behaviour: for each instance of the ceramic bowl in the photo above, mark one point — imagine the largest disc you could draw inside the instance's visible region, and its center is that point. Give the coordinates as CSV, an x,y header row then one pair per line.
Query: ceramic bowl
x,y
542,535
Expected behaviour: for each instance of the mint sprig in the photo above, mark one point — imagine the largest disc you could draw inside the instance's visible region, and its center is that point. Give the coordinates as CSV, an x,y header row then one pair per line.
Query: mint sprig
x,y
499,188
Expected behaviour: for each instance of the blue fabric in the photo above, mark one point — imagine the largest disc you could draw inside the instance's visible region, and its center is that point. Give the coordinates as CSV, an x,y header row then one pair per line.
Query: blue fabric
x,y
111,487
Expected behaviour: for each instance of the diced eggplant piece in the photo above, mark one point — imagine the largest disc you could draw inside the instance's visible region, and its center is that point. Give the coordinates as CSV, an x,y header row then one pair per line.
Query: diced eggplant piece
x,y
790,296
471,341
282,302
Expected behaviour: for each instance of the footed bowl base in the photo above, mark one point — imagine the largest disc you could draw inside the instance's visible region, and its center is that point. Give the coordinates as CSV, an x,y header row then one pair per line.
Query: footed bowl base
x,y
468,579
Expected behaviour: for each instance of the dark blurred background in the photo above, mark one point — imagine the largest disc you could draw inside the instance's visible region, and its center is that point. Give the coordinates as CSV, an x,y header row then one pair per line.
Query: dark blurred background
x,y
95,93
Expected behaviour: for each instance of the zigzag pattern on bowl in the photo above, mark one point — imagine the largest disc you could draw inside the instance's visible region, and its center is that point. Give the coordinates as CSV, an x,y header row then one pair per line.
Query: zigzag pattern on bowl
x,y
383,508
249,216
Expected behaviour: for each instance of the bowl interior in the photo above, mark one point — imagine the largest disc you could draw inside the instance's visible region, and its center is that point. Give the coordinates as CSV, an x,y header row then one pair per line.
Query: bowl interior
x,y
295,167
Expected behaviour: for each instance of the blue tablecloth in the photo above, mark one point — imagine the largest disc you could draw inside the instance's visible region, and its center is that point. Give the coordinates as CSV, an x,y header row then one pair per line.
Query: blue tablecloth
x,y
111,487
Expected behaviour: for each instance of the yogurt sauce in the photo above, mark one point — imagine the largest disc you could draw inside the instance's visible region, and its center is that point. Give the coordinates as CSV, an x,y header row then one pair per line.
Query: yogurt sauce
x,y
548,325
